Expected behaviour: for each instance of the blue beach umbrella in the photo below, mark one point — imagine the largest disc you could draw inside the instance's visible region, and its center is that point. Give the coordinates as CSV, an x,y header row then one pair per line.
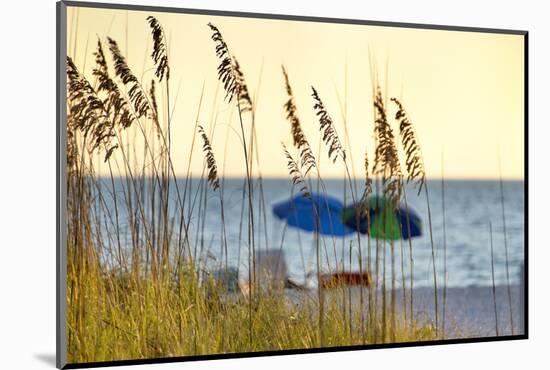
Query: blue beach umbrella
x,y
317,212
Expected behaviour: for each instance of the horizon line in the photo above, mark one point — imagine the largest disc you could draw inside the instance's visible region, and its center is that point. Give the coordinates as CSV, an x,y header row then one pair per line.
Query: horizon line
x,y
282,177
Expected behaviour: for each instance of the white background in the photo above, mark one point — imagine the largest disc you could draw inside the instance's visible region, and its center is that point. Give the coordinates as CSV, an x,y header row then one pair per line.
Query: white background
x,y
27,185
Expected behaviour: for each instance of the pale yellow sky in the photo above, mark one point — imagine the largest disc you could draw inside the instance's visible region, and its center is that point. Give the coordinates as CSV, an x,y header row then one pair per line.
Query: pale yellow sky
x,y
464,91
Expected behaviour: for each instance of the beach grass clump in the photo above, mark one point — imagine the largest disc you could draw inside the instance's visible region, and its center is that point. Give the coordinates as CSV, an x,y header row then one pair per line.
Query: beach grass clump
x,y
138,285
120,316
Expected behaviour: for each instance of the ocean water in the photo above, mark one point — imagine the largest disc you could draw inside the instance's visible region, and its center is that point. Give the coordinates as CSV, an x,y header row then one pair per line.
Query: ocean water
x,y
470,207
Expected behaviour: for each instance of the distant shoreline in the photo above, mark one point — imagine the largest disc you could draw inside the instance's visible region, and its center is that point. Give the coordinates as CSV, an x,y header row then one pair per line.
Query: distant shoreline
x,y
359,179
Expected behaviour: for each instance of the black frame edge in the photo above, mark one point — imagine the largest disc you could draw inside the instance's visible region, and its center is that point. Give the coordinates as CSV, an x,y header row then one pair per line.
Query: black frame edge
x,y
61,114
288,17
526,187
223,356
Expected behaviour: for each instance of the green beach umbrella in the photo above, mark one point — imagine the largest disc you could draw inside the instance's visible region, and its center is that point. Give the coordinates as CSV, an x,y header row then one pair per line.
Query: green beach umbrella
x,y
387,222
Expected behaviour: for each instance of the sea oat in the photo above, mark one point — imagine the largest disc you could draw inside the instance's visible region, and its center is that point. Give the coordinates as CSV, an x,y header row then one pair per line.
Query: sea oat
x,y
295,173
213,179
307,159
115,104
87,111
330,137
413,152
160,53
136,94
386,160
230,73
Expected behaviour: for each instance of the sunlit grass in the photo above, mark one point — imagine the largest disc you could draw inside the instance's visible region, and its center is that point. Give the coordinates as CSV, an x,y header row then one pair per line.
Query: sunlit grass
x,y
138,291
114,317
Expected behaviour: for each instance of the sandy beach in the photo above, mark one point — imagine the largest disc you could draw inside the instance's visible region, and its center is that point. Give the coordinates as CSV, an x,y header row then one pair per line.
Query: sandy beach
x,y
469,310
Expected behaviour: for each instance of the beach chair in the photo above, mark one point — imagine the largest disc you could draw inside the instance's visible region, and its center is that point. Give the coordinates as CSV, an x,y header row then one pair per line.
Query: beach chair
x,y
271,269
340,279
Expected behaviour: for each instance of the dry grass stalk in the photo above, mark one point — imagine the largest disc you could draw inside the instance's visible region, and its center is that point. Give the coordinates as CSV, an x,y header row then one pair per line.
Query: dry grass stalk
x,y
295,173
230,73
213,179
115,104
245,101
88,113
493,278
136,94
443,213
232,78
386,160
506,256
417,173
307,159
330,136
154,107
414,162
368,185
159,54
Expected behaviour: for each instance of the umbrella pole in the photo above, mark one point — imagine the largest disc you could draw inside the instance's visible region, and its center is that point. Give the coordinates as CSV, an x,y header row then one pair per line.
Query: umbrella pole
x,y
384,326
411,260
349,297
403,280
436,306
376,288
319,288
393,292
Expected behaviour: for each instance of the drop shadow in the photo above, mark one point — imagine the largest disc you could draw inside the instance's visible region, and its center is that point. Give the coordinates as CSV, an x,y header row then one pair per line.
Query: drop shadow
x,y
47,358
